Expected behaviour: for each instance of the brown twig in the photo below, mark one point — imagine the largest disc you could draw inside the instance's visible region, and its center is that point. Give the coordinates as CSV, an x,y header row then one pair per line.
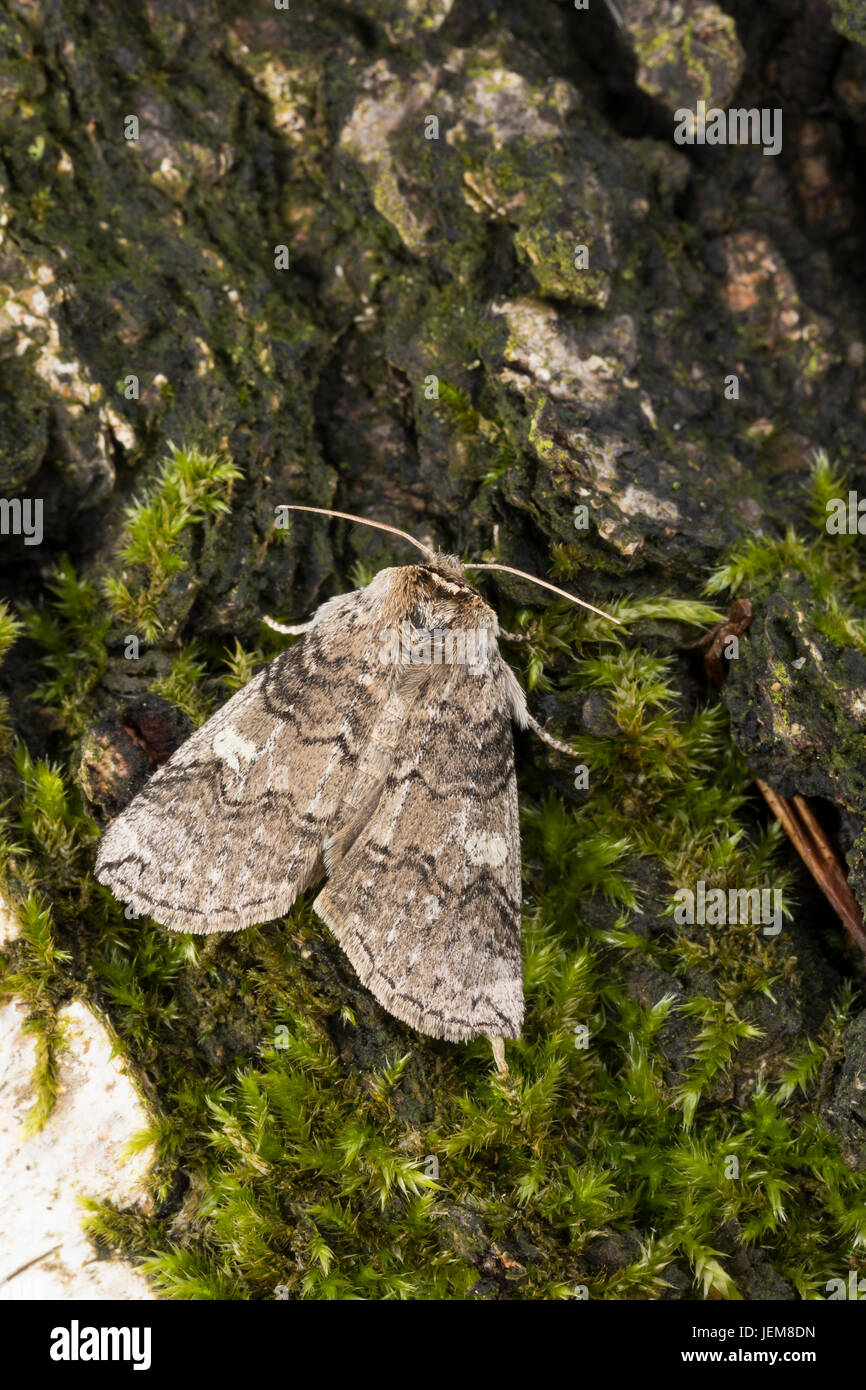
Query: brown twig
x,y
820,858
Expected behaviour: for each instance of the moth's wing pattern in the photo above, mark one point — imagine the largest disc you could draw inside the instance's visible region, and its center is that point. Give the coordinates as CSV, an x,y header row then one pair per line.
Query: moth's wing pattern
x,y
231,829
426,900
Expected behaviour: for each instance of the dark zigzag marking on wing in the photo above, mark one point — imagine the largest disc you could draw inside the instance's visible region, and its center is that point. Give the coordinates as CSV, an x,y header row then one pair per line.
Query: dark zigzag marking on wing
x,y
206,766
189,911
490,722
175,904
276,799
483,748
281,713
483,886
354,723
485,733
306,830
395,781
232,797
425,865
357,721
308,837
320,651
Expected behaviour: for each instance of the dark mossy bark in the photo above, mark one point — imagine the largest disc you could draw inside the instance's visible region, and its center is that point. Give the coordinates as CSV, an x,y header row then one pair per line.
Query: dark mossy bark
x,y
504,295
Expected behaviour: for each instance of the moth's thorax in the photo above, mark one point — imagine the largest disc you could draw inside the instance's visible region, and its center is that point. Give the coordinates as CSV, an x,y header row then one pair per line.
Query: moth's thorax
x,y
433,595
448,566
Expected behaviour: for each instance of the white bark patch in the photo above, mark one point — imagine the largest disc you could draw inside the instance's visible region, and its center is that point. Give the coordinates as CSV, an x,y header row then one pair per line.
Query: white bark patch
x,y
487,849
232,746
44,1253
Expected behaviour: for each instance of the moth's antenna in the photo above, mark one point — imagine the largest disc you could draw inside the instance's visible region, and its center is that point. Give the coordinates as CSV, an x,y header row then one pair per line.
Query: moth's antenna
x,y
404,535
362,521
521,574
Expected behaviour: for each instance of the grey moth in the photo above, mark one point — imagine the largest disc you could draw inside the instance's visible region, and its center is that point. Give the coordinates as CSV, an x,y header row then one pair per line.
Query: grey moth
x,y
375,756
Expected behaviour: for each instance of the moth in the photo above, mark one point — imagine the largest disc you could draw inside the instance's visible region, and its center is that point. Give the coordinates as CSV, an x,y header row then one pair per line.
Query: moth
x,y
377,753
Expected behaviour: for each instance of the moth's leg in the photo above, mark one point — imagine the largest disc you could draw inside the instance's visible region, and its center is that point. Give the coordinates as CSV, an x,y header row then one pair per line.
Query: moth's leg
x,y
295,631
548,738
521,637
498,1046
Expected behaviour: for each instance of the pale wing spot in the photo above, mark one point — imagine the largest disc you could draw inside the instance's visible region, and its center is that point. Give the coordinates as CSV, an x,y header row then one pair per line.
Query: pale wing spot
x,y
231,746
487,849
280,779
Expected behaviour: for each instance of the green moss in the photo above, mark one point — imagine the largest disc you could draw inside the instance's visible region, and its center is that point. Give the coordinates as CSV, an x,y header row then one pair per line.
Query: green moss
x,y
830,564
849,19
191,487
71,631
183,684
